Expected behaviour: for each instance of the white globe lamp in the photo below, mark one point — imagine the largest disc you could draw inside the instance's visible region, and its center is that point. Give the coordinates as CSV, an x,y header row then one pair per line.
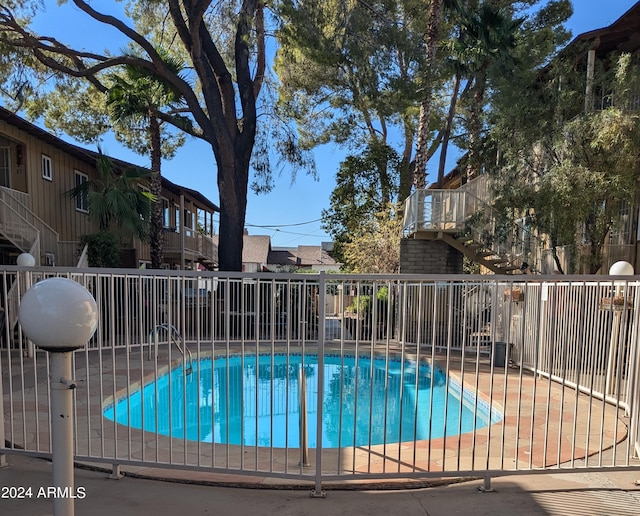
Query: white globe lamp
x,y
25,260
60,316
621,268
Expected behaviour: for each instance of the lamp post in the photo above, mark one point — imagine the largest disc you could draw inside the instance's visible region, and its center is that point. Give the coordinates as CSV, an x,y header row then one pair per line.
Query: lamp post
x,y
60,316
620,268
27,260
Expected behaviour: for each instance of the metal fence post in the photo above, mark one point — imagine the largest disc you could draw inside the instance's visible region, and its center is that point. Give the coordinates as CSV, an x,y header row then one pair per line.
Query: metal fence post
x,y
5,330
318,492
3,457
304,431
633,392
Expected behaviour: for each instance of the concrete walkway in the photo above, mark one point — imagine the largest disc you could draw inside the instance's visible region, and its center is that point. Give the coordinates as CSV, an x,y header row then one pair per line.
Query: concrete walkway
x,y
566,494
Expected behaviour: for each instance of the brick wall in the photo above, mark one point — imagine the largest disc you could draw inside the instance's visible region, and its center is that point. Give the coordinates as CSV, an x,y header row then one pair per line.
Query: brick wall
x,y
429,257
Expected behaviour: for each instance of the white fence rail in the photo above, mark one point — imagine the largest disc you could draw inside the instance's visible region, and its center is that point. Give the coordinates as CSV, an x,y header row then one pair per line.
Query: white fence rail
x,y
416,376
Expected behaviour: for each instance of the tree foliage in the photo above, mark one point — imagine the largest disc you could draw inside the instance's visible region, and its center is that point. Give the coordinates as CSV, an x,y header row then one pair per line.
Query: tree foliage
x,y
498,50
375,249
574,180
488,39
116,200
102,249
359,194
353,74
226,47
350,74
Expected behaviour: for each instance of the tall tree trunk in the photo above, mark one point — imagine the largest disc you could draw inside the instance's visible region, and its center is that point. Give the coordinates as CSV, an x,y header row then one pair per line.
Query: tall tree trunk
x,y
554,254
404,189
447,130
232,137
156,233
431,45
233,179
475,124
385,186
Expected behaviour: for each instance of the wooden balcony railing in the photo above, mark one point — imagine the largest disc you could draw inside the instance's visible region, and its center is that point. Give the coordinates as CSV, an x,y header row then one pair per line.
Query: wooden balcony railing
x,y
439,210
194,243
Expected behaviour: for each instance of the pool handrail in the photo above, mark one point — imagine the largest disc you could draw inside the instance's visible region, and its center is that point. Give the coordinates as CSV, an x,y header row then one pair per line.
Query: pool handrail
x,y
172,331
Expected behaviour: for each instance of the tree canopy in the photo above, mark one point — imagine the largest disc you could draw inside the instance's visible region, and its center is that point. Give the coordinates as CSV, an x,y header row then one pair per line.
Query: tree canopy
x,y
388,80
573,176
349,74
225,44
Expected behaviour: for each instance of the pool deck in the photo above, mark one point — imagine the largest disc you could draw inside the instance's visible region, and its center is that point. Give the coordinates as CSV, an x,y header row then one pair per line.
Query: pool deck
x,y
537,430
544,409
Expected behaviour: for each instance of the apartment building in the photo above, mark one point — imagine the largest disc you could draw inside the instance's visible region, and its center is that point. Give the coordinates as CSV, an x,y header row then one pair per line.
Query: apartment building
x,y
37,214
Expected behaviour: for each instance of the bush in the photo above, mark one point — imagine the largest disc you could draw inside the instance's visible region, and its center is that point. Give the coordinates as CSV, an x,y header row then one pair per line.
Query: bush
x,y
102,249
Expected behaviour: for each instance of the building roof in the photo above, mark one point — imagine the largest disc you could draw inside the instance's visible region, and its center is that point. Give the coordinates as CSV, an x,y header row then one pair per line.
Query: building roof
x,y
301,256
89,156
255,248
623,35
281,257
314,255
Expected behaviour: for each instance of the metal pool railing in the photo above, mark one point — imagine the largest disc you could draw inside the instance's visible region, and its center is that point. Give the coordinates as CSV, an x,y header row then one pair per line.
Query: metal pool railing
x,y
532,373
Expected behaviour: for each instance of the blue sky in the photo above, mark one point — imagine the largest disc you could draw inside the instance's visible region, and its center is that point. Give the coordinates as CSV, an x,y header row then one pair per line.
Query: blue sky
x,y
291,204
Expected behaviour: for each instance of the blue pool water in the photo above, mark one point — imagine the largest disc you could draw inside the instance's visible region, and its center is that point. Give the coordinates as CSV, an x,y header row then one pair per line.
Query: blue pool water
x,y
236,401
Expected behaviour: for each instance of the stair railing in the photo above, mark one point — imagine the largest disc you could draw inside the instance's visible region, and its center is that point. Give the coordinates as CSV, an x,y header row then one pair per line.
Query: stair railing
x,y
83,261
20,213
16,228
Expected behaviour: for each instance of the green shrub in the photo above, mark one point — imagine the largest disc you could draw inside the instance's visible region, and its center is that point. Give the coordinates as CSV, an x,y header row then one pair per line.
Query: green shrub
x,y
102,249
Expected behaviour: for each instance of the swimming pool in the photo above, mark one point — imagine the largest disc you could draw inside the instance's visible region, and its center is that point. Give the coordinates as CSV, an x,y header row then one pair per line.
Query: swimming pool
x,y
237,400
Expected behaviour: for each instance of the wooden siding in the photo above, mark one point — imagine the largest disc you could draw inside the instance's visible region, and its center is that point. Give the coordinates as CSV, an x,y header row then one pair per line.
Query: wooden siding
x,y
49,199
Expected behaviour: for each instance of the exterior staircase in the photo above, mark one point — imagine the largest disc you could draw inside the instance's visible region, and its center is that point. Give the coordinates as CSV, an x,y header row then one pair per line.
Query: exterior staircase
x,y
465,220
479,253
22,231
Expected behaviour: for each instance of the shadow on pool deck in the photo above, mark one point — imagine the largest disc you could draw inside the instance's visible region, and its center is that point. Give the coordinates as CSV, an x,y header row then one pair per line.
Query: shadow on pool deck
x,y
553,494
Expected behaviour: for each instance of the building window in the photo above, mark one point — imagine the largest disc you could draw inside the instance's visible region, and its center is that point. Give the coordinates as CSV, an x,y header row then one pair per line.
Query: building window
x,y
165,213
81,199
47,169
5,170
188,222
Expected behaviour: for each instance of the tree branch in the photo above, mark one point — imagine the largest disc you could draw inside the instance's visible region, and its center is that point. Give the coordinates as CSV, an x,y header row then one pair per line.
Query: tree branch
x,y
120,26
243,72
261,57
180,24
46,48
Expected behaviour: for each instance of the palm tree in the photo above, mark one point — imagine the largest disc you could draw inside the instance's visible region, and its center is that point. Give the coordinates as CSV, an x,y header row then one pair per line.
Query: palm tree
x,y
489,38
432,40
115,198
135,99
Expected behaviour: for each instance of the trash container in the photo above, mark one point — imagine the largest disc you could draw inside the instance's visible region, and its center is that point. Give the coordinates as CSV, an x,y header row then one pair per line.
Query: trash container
x,y
499,354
